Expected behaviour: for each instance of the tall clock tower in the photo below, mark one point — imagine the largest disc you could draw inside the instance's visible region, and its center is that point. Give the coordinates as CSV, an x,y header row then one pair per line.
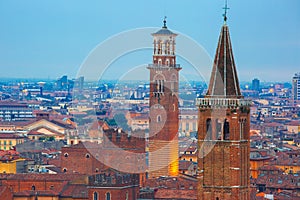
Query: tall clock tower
x,y
163,133
223,131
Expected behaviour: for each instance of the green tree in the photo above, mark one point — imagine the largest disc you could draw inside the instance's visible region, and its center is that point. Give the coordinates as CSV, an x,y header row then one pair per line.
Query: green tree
x,y
121,121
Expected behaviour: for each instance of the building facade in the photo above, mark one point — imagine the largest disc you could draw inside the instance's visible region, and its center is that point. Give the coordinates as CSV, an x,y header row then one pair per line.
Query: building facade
x,y
296,86
255,84
163,134
223,133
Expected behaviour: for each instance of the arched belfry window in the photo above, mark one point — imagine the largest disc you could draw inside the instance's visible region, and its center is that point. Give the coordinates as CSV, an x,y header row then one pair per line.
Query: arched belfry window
x,y
243,130
168,48
108,196
160,48
219,135
159,85
226,130
208,129
95,196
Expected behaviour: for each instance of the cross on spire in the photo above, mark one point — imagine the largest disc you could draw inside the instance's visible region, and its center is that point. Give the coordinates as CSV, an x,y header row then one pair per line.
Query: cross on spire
x,y
225,13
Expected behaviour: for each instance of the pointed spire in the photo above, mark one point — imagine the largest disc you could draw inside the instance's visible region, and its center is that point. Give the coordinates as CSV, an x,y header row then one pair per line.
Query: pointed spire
x,y
224,81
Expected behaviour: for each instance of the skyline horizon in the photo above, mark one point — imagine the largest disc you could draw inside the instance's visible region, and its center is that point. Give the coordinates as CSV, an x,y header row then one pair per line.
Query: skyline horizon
x,y
44,43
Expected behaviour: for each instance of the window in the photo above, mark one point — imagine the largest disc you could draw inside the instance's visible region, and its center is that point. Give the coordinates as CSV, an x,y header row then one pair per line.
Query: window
x,y
208,128
167,62
226,130
95,196
187,126
33,188
194,126
87,155
66,155
108,196
65,170
158,118
159,85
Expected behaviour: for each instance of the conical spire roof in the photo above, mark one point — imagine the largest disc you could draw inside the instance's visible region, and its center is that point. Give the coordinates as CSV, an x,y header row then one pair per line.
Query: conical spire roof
x,y
224,81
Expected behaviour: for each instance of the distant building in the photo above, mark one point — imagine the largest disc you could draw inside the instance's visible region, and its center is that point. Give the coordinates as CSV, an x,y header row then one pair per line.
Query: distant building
x,y
11,162
296,86
9,140
79,82
188,122
255,84
11,111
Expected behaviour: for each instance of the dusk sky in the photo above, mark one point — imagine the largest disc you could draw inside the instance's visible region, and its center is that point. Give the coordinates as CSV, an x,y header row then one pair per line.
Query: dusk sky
x,y
50,38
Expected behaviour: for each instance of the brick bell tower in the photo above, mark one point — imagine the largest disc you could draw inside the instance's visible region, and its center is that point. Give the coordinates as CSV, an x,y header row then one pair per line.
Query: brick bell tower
x,y
163,129
223,133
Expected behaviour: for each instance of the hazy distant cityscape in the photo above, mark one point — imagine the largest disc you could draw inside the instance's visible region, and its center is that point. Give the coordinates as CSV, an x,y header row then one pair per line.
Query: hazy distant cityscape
x,y
150,114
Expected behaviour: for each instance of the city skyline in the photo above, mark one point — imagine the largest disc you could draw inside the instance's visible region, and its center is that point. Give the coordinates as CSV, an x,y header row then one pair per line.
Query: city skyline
x,y
46,40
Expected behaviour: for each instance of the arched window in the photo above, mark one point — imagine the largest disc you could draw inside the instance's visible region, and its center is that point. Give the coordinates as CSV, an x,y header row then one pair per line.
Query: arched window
x,y
159,85
159,62
226,130
168,62
208,128
158,118
33,187
87,155
108,196
66,155
95,196
65,170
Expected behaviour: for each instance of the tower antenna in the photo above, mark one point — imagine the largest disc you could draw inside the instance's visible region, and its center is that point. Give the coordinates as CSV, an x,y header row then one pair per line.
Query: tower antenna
x,y
225,13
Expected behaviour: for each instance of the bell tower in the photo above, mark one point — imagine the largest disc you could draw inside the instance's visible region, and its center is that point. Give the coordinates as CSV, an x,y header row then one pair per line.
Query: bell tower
x,y
223,133
163,129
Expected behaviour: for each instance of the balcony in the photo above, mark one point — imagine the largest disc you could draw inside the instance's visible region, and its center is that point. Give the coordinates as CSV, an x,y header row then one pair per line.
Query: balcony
x,y
176,66
222,102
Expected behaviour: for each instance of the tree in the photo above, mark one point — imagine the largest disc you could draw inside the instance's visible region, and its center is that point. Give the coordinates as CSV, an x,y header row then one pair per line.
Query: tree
x,y
121,121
